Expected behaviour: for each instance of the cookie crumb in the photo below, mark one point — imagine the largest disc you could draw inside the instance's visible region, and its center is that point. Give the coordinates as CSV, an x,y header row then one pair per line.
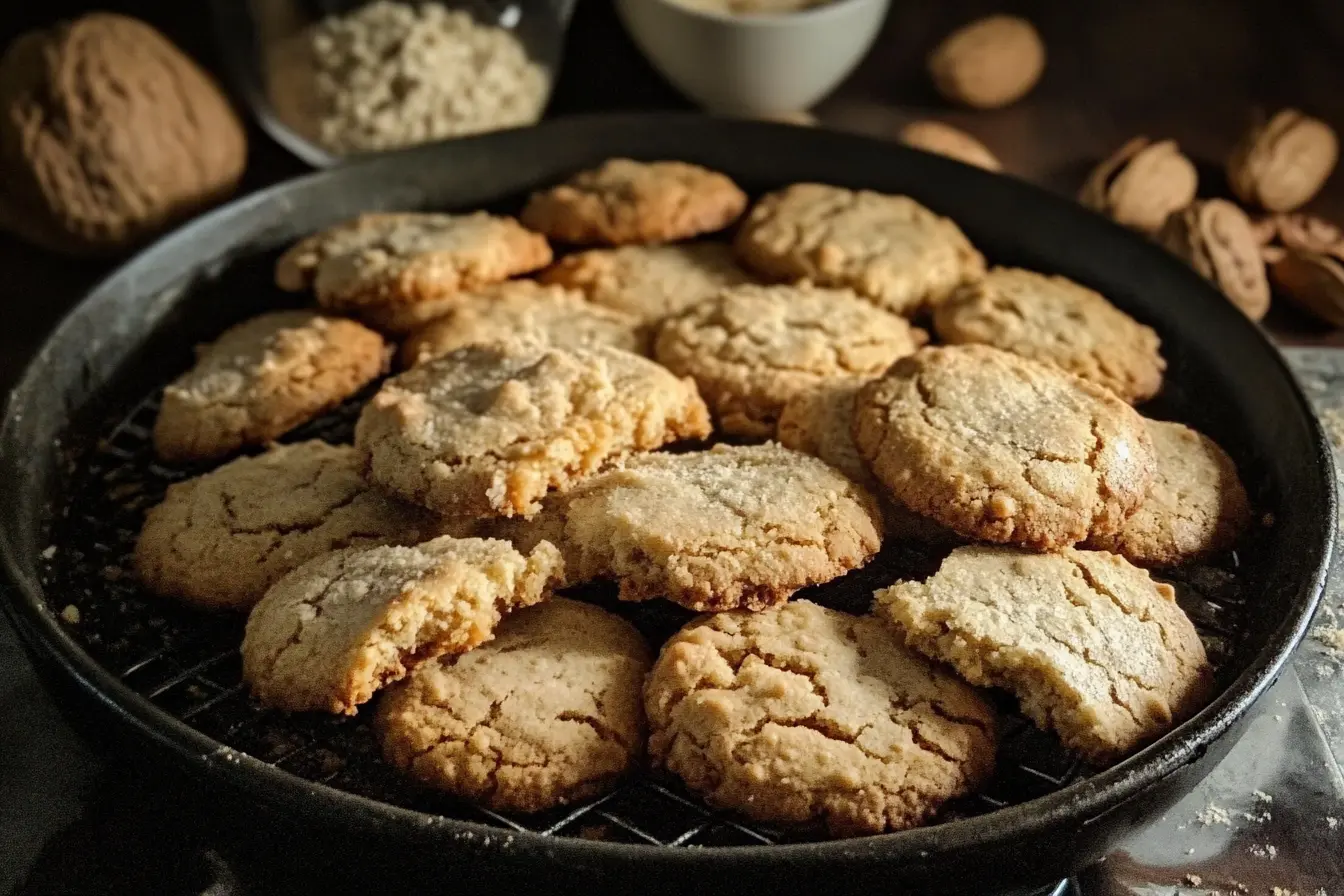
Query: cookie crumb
x,y
1331,822
1214,814
1265,851
70,614
1267,520
49,552
1263,797
1284,891
113,573
1194,880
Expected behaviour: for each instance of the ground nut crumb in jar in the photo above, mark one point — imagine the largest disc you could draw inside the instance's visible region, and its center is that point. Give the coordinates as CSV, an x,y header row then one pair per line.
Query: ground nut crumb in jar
x,y
389,74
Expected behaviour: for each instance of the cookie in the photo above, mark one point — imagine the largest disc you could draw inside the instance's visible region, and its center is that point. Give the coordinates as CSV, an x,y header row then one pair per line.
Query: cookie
x,y
1093,648
623,201
1055,320
547,713
720,529
335,630
805,715
751,348
553,314
1195,506
650,282
491,429
1005,449
261,379
396,271
219,540
820,422
889,249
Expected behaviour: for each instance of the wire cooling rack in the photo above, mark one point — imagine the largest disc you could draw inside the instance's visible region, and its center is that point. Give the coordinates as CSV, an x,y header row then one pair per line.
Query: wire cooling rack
x,y
187,664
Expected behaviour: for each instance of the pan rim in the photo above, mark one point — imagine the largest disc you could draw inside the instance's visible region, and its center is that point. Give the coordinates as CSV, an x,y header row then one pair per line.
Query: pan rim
x,y
1089,798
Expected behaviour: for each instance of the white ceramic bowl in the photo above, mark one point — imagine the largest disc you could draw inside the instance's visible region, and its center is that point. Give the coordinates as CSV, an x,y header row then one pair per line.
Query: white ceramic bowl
x,y
754,64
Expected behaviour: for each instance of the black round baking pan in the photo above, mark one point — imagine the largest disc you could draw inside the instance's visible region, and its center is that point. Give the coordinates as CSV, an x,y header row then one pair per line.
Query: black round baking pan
x,y
82,406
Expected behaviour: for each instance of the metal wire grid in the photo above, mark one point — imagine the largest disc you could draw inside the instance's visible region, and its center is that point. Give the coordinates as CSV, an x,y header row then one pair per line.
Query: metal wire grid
x,y
187,663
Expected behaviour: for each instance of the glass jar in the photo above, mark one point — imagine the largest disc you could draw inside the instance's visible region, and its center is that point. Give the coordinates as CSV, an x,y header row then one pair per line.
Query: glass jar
x,y
330,79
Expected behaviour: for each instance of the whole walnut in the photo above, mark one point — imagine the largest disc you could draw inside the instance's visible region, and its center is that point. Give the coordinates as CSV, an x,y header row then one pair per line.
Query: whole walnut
x,y
945,140
1216,238
1141,184
109,135
989,63
1283,162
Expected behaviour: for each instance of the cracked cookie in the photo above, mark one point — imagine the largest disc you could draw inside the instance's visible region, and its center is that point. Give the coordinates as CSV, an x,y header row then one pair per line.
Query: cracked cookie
x,y
492,429
751,348
219,540
1195,505
802,714
397,270
335,630
547,713
820,422
1002,448
1093,648
650,282
552,314
1055,320
624,201
889,249
262,378
720,529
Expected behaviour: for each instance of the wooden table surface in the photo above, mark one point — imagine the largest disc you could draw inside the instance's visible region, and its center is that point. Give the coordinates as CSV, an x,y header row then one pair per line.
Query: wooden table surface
x,y
1192,70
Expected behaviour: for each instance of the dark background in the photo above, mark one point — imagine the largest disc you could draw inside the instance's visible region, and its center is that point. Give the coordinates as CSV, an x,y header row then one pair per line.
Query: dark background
x,y
1193,70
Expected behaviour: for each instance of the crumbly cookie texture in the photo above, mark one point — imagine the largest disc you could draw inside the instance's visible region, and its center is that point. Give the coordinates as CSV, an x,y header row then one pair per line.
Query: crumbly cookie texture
x,y
1055,320
1093,648
335,630
547,713
751,348
890,249
491,429
552,314
1002,448
396,271
820,422
623,201
801,714
650,282
261,379
720,529
1195,506
219,540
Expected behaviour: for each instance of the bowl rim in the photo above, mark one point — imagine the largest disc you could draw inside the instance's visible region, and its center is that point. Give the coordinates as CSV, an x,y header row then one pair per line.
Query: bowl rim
x,y
812,15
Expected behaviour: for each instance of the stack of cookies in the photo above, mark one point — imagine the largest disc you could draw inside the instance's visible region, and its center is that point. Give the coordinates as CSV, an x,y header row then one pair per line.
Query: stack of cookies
x,y
719,425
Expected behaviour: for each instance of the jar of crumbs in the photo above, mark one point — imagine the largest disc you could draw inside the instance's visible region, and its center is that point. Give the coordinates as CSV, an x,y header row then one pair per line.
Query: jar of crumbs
x,y
366,77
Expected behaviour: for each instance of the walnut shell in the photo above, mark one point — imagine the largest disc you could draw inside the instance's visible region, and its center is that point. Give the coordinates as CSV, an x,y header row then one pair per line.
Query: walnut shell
x,y
1312,281
989,63
1141,184
1217,239
945,140
109,135
1280,164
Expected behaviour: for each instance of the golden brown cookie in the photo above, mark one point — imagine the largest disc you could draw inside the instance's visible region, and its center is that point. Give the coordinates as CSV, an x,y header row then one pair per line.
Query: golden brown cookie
x,y
719,529
547,713
218,541
398,270
650,282
1055,320
491,429
800,714
623,201
820,422
1195,505
889,249
335,630
1093,648
262,378
1002,448
553,314
751,348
